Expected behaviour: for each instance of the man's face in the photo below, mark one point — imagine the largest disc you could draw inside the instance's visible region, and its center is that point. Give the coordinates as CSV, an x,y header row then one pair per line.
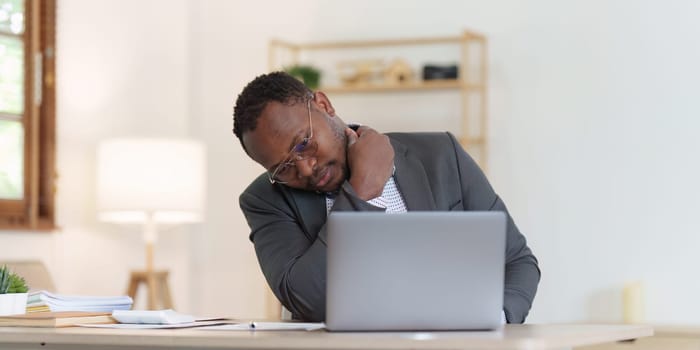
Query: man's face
x,y
282,128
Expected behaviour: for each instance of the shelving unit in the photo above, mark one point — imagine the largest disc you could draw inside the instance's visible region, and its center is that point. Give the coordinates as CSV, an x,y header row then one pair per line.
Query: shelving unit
x,y
471,83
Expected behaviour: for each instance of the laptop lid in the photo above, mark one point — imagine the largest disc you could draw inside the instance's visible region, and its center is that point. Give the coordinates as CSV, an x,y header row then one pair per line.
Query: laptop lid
x,y
415,271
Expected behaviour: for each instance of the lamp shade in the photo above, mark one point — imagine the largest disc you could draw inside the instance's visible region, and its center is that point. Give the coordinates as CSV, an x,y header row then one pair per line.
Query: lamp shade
x,y
140,179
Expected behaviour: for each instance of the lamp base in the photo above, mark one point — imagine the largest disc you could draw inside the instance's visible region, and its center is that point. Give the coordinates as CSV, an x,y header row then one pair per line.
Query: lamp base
x,y
157,287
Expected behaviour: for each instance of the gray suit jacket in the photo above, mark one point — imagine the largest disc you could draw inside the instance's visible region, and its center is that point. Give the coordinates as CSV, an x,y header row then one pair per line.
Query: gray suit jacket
x,y
433,172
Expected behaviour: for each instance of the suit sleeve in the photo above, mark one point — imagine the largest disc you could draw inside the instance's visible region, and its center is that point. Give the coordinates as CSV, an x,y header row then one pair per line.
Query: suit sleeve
x,y
522,273
293,260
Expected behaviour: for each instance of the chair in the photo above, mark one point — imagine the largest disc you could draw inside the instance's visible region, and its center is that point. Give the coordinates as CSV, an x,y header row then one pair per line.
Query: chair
x,y
34,273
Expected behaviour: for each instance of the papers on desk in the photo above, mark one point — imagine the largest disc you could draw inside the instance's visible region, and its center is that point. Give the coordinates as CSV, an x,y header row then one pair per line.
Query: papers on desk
x,y
42,301
168,316
157,319
267,326
168,319
155,326
218,325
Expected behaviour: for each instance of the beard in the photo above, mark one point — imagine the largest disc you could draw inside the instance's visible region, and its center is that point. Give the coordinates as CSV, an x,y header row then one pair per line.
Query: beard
x,y
338,129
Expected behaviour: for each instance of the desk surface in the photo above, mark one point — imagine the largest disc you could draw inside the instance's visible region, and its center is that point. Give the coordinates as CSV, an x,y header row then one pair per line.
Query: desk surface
x,y
680,331
511,337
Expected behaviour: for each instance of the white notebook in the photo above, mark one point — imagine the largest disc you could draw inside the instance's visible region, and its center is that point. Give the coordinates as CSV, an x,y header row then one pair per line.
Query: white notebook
x,y
168,316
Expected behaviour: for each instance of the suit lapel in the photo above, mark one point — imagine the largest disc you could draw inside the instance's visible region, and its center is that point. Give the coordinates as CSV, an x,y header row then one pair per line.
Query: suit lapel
x,y
412,180
311,209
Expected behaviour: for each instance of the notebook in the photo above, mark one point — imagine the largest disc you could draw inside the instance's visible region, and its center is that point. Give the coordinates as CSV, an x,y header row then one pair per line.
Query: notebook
x,y
56,319
168,316
417,271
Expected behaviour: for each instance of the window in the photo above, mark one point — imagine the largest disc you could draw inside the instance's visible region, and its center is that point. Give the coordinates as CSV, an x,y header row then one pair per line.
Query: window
x,y
27,114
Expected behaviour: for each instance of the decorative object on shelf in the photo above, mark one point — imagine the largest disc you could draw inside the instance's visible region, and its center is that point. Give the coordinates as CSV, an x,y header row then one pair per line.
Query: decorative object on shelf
x,y
633,302
360,72
151,181
13,293
398,72
306,73
435,72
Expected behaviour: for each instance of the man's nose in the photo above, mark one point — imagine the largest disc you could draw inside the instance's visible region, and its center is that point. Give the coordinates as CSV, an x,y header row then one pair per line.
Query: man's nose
x,y
305,167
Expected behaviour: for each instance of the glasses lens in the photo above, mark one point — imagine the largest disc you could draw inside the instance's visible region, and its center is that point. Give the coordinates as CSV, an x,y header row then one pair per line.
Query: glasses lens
x,y
285,171
305,149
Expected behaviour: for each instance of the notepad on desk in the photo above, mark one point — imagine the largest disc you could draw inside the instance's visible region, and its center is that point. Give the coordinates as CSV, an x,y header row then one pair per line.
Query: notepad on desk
x,y
56,319
168,316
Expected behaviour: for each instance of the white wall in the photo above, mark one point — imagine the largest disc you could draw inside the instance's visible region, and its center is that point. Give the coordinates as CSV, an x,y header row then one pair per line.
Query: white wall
x,y
121,71
594,118
592,123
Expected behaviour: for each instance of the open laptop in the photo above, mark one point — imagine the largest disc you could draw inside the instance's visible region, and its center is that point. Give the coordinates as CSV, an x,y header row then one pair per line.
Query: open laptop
x,y
416,271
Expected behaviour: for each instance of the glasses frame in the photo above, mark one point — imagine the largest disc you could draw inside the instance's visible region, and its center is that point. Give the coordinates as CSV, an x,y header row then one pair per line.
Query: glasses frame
x,y
294,155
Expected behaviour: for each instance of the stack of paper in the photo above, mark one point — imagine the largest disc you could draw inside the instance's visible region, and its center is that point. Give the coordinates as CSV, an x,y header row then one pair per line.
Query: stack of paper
x,y
40,301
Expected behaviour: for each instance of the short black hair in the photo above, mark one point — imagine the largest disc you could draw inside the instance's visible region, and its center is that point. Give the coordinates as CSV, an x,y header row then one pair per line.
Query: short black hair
x,y
275,86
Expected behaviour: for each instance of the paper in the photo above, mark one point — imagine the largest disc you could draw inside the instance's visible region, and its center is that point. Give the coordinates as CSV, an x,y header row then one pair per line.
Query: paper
x,y
268,326
44,301
168,316
154,326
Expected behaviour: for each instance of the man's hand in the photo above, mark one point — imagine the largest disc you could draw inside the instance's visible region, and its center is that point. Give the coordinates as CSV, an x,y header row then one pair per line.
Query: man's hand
x,y
370,159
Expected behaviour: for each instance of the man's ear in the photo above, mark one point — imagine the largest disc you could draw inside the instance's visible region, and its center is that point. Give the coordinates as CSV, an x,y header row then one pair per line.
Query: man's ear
x,y
324,103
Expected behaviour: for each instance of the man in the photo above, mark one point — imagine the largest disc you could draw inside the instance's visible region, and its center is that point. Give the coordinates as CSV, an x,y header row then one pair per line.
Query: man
x,y
317,164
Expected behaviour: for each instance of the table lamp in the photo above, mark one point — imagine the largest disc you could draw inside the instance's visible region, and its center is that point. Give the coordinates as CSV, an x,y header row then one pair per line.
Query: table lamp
x,y
150,181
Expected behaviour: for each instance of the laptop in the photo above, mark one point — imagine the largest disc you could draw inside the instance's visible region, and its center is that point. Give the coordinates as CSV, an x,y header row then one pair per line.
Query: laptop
x,y
417,271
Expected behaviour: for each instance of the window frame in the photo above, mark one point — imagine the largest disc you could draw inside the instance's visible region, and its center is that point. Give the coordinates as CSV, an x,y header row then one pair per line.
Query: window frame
x,y
36,210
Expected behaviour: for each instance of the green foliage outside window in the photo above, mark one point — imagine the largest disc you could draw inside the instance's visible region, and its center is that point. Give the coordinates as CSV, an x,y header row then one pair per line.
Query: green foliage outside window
x,y
11,75
12,16
11,160
11,99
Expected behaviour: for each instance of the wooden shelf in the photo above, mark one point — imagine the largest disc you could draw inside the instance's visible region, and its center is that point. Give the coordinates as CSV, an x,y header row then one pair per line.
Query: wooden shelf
x,y
380,43
418,85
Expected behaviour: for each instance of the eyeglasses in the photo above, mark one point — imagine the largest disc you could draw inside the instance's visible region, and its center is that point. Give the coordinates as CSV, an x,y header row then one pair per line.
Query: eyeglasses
x,y
305,149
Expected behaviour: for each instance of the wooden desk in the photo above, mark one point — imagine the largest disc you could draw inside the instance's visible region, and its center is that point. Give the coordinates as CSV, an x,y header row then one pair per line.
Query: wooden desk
x,y
665,337
511,337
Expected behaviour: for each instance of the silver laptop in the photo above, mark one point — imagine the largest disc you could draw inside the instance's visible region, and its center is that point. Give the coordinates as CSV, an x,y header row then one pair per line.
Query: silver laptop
x,y
416,271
